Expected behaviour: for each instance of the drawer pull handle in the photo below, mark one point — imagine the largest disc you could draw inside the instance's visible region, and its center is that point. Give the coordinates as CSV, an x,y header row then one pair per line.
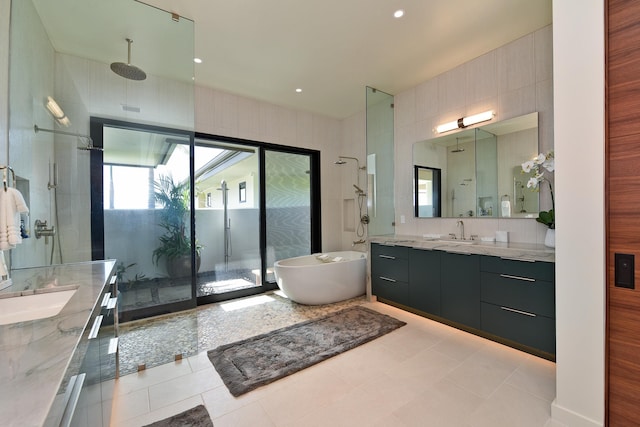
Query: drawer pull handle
x,y
112,303
387,257
513,310
518,259
386,279
113,279
113,346
95,328
105,299
526,279
72,395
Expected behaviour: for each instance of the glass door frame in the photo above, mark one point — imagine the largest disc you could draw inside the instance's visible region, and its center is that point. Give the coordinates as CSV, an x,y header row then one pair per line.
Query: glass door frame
x,y
316,218
96,131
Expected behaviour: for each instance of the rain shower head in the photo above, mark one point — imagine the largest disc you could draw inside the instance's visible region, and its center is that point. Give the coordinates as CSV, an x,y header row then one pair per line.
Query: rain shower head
x,y
127,70
339,162
457,149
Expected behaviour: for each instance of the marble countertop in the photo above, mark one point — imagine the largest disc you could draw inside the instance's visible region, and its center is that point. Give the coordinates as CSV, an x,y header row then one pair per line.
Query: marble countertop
x,y
523,251
34,355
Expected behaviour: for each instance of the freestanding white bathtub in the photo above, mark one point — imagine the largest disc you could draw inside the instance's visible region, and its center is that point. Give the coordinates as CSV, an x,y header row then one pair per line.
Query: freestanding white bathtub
x,y
312,280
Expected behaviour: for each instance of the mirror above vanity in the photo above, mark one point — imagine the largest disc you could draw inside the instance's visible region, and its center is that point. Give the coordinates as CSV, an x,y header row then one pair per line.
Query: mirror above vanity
x,y
477,172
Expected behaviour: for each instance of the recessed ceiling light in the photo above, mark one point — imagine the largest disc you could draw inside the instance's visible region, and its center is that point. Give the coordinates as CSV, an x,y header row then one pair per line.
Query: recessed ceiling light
x,y
197,60
298,90
398,13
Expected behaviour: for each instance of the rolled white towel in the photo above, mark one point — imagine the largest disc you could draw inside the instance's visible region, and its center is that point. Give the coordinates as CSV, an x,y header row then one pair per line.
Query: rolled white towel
x,y
506,208
338,259
322,256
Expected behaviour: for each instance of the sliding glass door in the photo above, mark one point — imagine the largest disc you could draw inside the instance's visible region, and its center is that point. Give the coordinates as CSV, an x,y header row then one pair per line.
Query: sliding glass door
x,y
227,219
255,205
288,206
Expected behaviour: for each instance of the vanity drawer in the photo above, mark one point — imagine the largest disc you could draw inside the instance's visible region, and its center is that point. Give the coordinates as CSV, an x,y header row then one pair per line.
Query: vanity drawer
x,y
393,269
397,291
379,251
530,330
527,269
526,294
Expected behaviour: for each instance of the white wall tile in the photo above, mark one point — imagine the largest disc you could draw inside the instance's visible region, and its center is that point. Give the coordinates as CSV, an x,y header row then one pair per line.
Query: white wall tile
x,y
503,80
516,66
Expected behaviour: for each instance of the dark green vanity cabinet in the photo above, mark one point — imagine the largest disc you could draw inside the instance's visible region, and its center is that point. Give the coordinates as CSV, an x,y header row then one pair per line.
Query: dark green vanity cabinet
x,y
424,280
389,272
518,301
460,288
508,300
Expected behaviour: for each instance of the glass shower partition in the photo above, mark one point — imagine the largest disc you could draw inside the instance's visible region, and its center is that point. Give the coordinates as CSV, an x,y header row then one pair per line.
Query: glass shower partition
x,y
380,162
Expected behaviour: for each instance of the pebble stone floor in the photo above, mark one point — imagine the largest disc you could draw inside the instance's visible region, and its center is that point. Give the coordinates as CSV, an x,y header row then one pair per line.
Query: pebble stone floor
x,y
157,340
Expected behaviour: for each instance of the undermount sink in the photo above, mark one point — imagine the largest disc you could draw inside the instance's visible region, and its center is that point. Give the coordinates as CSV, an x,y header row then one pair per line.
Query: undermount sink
x,y
457,241
33,306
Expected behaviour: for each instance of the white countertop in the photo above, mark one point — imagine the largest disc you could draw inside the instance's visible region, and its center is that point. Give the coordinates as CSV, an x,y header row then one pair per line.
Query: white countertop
x,y
522,251
34,355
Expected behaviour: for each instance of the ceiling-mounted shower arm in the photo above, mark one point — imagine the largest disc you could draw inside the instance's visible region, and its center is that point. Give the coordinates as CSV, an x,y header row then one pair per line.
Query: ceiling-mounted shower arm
x,y
89,146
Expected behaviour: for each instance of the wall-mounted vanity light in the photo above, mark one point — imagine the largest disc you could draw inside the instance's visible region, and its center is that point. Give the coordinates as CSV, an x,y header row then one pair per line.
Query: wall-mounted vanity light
x,y
463,122
57,112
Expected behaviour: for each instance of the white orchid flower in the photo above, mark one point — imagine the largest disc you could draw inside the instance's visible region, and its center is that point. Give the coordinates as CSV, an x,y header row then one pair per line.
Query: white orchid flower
x,y
549,164
532,183
527,166
540,159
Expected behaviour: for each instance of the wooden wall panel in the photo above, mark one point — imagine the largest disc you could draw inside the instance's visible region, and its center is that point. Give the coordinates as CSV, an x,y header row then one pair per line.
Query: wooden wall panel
x,y
622,183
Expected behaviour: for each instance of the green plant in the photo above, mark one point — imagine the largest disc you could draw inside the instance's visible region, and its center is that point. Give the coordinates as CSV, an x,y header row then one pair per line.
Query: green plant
x,y
174,198
121,269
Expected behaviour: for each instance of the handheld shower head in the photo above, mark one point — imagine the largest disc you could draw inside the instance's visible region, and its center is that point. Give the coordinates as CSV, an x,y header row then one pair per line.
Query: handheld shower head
x,y
358,189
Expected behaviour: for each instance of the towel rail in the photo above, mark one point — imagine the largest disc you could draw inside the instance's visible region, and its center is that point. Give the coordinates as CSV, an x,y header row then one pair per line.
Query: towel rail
x,y
4,176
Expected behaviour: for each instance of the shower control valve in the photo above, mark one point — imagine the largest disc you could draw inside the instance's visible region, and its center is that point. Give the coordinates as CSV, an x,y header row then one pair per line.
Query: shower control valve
x,y
42,230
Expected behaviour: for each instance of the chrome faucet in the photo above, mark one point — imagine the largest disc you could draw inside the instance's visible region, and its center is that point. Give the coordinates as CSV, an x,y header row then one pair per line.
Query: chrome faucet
x,y
461,225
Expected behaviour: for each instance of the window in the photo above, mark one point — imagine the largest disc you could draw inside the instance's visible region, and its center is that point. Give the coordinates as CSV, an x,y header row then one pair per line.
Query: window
x,y
128,187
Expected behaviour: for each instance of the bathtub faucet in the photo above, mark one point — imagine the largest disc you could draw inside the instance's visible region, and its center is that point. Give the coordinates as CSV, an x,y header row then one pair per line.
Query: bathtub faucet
x,y
358,242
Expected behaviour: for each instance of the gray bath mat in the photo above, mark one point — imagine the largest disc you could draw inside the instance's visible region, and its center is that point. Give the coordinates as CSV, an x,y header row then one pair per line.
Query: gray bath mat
x,y
254,362
194,417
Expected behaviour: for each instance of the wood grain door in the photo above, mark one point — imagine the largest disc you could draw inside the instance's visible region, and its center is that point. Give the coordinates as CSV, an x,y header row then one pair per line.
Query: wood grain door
x,y
623,211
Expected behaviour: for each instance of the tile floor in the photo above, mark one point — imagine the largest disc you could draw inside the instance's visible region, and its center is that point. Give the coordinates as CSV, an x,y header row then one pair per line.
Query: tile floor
x,y
423,374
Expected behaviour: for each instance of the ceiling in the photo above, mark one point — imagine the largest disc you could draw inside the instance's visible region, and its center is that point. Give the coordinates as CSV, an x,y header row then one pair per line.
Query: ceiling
x,y
331,49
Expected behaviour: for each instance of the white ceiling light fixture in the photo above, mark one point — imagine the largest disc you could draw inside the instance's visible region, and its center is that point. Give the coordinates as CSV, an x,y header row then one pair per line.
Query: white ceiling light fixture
x,y
298,90
197,60
464,122
57,113
398,13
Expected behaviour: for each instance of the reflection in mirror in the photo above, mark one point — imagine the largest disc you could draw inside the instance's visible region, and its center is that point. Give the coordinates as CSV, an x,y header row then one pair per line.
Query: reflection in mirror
x,y
480,170
428,192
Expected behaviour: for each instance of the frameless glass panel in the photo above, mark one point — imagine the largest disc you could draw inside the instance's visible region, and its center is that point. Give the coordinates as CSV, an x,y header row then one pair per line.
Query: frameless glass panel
x,y
227,219
288,206
380,172
487,204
